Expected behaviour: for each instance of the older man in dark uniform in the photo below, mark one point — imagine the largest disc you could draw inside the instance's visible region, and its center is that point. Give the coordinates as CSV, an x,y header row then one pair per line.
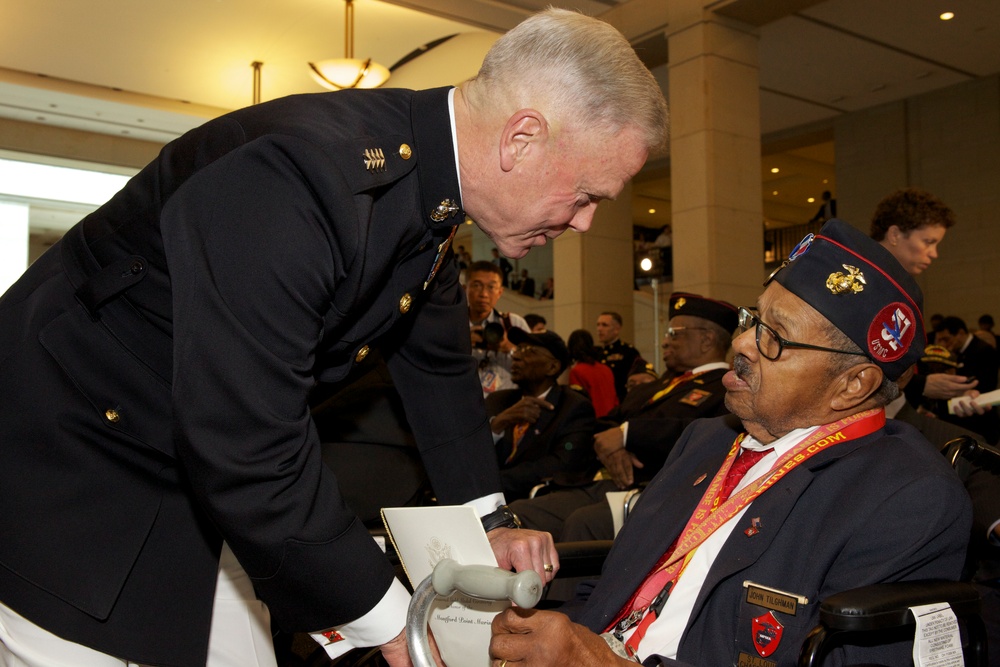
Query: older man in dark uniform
x,y
155,364
542,429
806,490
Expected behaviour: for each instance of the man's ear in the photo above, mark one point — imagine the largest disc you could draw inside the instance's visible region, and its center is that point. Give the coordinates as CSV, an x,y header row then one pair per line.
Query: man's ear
x,y
855,386
524,131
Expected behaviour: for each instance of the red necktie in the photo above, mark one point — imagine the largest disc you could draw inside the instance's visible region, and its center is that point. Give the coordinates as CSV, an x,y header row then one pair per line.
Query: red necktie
x,y
746,460
656,582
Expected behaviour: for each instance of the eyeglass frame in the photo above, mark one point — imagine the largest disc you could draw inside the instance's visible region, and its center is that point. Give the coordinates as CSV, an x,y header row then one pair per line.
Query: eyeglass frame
x,y
671,332
745,315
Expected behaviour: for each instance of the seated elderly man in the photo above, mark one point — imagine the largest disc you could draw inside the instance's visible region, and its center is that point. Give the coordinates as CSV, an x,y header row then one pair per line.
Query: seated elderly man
x,y
644,428
832,496
542,430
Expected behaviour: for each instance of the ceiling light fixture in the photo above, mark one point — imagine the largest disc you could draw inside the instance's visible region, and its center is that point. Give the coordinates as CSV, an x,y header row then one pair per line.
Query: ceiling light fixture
x,y
774,170
947,16
348,72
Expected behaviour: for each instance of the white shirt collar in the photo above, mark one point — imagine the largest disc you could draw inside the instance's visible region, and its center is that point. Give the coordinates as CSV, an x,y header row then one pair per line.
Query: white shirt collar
x,y
782,444
710,367
454,139
893,408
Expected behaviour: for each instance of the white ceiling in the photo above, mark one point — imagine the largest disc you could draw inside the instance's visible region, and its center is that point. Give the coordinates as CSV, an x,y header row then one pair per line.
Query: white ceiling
x,y
151,69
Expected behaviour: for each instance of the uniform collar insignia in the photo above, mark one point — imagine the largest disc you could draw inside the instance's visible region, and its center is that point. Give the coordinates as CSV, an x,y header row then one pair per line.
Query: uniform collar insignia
x,y
446,209
374,160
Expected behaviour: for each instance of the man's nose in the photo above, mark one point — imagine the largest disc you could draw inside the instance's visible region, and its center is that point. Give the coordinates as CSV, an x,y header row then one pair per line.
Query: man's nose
x,y
583,219
745,343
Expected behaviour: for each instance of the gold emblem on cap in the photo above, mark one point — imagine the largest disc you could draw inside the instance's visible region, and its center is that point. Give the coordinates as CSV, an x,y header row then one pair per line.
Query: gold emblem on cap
x,y
405,303
679,303
446,209
405,152
852,282
374,160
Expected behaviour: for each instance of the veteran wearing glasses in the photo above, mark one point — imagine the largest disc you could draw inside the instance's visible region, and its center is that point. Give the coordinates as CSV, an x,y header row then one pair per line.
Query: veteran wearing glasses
x,y
542,429
804,491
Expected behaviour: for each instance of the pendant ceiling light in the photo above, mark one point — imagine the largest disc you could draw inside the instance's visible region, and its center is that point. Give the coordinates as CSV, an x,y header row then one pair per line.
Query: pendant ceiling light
x,y
348,72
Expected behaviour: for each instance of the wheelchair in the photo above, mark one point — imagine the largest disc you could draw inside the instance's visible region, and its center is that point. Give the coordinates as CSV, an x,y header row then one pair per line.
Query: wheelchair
x,y
866,614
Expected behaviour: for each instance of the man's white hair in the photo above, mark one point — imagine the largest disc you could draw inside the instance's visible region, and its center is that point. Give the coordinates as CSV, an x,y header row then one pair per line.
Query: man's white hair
x,y
576,70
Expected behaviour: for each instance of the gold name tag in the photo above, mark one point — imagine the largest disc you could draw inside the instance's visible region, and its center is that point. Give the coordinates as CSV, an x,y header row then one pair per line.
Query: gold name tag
x,y
773,599
747,660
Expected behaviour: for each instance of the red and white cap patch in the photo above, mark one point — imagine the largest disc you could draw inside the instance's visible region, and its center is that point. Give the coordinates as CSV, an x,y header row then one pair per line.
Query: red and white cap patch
x,y
891,332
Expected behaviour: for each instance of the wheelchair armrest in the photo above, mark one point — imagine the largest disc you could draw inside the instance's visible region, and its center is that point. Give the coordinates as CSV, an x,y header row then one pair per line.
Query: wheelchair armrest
x,y
975,452
884,606
582,559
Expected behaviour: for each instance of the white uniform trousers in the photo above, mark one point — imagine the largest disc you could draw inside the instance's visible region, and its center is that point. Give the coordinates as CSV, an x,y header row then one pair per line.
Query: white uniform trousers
x,y
240,635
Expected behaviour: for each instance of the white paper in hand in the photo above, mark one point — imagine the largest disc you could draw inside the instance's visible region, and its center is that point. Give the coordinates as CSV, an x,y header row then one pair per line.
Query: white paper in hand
x,y
422,537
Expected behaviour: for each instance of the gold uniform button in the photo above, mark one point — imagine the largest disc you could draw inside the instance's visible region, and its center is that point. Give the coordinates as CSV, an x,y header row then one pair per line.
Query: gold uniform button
x,y
405,303
405,152
112,416
362,353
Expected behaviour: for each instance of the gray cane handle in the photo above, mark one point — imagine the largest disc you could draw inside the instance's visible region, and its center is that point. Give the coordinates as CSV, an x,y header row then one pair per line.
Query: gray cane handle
x,y
487,583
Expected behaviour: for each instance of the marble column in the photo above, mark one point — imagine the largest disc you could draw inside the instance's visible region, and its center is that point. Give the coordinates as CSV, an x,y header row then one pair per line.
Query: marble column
x,y
715,156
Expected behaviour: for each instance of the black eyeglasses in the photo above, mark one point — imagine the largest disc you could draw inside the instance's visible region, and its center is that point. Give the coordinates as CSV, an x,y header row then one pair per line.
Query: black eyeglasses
x,y
673,331
524,349
770,344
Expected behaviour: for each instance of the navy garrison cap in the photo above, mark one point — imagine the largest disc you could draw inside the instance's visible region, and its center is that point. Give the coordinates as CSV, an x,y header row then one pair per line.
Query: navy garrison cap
x,y
725,314
860,287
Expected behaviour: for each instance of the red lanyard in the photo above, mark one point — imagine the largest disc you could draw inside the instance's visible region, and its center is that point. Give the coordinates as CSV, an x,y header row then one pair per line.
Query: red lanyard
x,y
709,515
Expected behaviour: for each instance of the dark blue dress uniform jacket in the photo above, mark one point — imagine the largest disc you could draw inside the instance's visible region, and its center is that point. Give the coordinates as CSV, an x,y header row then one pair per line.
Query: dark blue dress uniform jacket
x,y
154,368
884,507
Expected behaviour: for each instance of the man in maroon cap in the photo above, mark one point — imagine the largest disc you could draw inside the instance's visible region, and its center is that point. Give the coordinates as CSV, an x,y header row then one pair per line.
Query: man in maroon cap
x,y
805,491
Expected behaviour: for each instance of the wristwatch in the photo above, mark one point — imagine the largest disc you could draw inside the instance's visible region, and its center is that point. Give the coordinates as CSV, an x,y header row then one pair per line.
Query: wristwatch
x,y
501,517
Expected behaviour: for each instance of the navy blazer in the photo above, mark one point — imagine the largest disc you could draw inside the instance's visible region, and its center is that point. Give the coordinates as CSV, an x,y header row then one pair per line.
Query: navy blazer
x,y
163,351
885,507
655,425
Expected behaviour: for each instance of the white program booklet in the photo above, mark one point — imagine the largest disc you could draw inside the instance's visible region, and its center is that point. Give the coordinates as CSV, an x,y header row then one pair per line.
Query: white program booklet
x,y
422,537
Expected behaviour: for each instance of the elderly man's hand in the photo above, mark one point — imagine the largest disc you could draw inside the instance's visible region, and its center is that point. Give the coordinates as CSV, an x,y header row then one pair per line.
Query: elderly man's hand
x,y
945,385
532,638
521,549
608,441
621,465
527,410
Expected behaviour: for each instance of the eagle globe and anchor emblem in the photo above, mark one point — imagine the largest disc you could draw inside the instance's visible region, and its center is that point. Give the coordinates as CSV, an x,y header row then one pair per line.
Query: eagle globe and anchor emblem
x,y
767,633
